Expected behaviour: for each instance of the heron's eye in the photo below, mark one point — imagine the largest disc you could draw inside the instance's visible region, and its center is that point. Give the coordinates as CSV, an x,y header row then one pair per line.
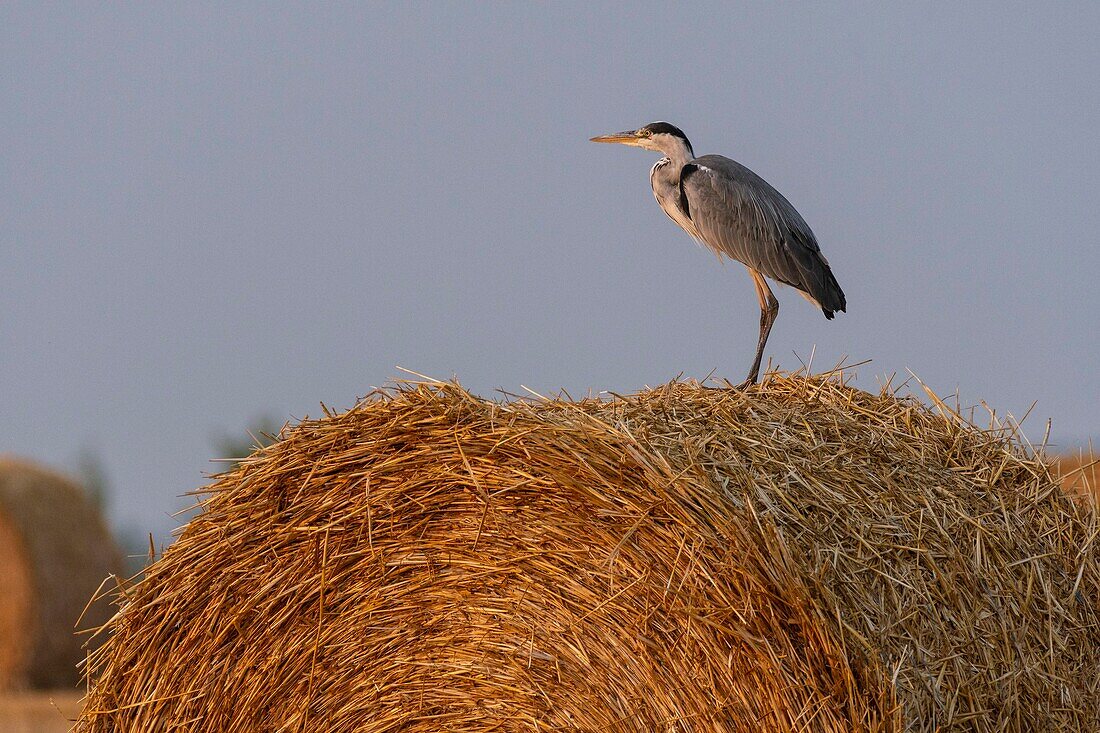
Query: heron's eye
x,y
645,133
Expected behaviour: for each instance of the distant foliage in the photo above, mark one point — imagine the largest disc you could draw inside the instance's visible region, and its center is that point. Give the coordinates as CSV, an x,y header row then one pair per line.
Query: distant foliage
x,y
231,449
92,475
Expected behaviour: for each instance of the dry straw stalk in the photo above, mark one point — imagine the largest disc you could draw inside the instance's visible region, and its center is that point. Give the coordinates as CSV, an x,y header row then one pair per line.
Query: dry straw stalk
x,y
801,556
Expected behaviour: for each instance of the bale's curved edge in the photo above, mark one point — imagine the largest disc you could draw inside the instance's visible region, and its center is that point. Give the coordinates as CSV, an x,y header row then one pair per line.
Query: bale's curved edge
x,y
801,556
59,553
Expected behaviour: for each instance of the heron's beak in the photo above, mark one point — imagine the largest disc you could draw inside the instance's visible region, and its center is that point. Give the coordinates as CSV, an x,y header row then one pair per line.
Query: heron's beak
x,y
626,138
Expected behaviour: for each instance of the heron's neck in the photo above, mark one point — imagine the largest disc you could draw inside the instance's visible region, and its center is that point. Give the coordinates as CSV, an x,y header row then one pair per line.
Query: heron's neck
x,y
678,152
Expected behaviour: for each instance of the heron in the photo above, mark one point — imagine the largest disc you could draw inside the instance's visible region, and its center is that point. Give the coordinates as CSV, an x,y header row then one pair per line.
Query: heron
x,y
735,213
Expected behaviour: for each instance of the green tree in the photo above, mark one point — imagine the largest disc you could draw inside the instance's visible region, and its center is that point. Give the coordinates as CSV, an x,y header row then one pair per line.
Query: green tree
x,y
231,449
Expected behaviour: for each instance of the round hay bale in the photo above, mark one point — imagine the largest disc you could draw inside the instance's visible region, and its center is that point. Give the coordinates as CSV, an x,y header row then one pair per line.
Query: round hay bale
x,y
55,551
1080,473
15,604
801,556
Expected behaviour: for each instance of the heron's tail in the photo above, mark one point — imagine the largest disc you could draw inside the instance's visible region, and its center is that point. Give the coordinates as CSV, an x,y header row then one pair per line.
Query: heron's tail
x,y
831,298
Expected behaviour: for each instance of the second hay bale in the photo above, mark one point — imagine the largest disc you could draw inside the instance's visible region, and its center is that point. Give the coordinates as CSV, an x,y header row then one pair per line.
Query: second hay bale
x,y
1080,473
802,556
55,551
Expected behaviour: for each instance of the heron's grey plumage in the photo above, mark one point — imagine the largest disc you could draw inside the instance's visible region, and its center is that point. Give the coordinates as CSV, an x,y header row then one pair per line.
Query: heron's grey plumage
x,y
736,213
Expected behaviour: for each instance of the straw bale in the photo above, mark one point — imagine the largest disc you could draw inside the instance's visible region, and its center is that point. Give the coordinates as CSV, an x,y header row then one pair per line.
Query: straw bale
x,y
55,551
15,604
800,556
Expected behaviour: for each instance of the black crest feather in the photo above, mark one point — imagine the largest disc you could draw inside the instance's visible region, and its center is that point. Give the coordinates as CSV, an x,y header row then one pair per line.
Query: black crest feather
x,y
664,127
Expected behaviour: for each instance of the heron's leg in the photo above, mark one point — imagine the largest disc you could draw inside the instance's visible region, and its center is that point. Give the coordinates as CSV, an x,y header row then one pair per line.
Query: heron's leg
x,y
769,309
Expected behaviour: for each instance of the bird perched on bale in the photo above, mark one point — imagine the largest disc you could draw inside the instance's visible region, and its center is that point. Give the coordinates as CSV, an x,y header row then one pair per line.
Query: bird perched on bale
x,y
736,213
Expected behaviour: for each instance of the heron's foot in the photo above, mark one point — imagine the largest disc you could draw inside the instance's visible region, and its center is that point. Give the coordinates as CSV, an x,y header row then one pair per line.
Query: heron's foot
x,y
749,382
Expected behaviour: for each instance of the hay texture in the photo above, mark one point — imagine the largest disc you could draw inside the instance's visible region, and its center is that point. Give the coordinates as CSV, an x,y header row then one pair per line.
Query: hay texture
x,y
801,556
55,551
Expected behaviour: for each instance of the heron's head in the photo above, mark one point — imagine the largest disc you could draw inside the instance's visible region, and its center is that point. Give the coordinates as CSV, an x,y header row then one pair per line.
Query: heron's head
x,y
658,136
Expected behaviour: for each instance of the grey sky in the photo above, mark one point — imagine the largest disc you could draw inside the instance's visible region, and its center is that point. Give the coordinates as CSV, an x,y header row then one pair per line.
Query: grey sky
x,y
211,213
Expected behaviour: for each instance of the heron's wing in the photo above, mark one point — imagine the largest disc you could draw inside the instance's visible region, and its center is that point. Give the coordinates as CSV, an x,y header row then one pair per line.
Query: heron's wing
x,y
738,214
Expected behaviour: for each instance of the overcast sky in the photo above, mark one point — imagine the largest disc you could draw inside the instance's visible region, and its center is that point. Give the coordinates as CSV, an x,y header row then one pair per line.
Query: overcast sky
x,y
208,214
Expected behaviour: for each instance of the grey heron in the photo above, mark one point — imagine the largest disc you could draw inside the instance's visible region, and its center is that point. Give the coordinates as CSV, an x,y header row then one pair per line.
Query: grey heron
x,y
737,214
